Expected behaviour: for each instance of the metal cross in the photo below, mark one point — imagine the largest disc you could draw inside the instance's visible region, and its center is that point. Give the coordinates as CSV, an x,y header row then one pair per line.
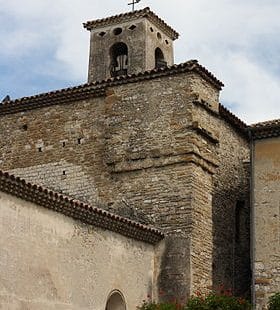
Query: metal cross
x,y
133,4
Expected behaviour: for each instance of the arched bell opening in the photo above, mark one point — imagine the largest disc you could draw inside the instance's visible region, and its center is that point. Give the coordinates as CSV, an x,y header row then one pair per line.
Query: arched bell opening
x,y
115,301
119,59
160,61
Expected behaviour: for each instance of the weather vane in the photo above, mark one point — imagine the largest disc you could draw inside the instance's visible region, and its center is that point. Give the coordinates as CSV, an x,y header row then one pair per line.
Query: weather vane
x,y
133,4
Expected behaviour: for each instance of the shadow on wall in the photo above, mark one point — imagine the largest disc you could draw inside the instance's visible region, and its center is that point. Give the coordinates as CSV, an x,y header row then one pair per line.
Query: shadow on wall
x,y
174,277
231,242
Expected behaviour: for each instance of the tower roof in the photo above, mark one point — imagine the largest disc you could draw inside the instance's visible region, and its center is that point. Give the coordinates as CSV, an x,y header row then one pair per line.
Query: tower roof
x,y
146,12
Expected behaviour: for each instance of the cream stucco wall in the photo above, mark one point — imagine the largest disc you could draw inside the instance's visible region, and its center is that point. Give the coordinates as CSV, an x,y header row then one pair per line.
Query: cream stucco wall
x,y
266,219
51,262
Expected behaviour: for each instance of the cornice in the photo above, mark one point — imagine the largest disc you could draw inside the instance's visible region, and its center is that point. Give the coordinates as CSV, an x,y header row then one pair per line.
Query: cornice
x,y
98,88
117,19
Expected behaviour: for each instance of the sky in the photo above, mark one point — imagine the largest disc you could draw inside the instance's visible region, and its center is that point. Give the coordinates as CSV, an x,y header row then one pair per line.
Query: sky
x,y
44,47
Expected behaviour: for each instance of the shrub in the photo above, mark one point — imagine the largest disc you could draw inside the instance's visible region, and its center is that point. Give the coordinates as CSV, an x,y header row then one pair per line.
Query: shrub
x,y
215,301
161,306
222,300
274,302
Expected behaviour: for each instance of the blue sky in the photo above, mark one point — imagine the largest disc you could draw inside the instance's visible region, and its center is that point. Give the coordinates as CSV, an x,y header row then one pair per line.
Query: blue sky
x,y
44,46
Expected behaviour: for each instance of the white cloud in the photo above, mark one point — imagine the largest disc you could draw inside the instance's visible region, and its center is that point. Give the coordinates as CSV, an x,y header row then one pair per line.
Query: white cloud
x,y
224,35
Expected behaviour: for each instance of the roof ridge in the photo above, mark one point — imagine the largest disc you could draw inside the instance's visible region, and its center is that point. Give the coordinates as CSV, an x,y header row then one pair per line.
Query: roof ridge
x,y
77,209
273,122
234,120
98,87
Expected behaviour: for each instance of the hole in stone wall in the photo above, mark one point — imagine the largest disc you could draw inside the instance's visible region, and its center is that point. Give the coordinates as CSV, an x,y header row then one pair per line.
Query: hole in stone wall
x,y
24,127
119,59
64,172
160,62
151,29
102,34
132,27
79,140
63,144
117,31
158,35
166,42
39,149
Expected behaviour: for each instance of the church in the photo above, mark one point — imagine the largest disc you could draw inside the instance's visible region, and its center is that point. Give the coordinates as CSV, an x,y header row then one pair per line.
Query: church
x,y
138,184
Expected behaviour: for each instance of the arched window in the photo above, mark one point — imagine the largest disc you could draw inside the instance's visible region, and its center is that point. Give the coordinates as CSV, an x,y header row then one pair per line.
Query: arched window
x,y
159,59
115,301
119,59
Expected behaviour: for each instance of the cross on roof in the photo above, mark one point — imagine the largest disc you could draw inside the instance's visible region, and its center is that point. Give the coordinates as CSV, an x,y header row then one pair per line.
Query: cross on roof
x,y
133,4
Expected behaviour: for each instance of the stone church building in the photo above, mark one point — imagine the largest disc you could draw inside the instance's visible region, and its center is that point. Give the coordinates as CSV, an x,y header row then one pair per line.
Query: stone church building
x,y
138,183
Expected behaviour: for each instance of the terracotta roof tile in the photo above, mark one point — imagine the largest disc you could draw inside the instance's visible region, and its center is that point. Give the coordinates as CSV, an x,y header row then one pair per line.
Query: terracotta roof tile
x,y
98,88
131,16
267,129
234,120
77,209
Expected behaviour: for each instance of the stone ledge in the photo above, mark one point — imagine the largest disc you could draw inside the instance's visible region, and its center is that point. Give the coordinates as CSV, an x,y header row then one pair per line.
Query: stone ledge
x,y
156,162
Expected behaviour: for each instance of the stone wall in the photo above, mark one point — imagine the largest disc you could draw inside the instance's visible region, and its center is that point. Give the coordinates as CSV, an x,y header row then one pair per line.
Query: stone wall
x,y
52,262
61,147
231,227
266,215
162,146
61,176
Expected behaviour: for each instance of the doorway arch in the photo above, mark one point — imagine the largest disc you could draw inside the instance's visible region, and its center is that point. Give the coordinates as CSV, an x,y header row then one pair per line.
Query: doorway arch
x,y
115,301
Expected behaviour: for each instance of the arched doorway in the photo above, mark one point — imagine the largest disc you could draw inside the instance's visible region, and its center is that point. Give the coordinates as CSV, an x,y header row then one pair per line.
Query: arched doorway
x,y
159,59
119,59
115,301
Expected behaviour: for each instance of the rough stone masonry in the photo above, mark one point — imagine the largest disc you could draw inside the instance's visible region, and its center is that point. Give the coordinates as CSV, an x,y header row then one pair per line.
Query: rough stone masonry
x,y
157,141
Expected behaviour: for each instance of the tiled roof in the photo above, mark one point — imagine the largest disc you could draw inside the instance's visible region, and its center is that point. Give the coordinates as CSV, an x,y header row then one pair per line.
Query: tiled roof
x,y
266,129
131,16
233,120
98,88
77,210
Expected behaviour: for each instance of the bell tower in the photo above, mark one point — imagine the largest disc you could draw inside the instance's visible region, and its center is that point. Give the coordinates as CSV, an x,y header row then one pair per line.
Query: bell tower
x,y
128,44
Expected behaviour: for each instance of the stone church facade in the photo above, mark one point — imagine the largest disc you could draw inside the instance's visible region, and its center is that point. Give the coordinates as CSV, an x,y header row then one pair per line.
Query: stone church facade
x,y
148,141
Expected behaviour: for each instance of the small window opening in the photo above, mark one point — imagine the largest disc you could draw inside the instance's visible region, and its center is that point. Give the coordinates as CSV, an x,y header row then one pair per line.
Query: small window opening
x,y
166,41
64,172
115,302
117,31
159,36
39,149
24,127
63,144
151,29
102,33
132,27
159,59
119,59
79,140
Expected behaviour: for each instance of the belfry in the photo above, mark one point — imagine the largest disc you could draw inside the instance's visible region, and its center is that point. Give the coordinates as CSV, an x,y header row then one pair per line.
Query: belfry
x,y
128,44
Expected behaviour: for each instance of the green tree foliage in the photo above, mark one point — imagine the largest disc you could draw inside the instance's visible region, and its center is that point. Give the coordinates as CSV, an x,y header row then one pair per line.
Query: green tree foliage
x,y
274,302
